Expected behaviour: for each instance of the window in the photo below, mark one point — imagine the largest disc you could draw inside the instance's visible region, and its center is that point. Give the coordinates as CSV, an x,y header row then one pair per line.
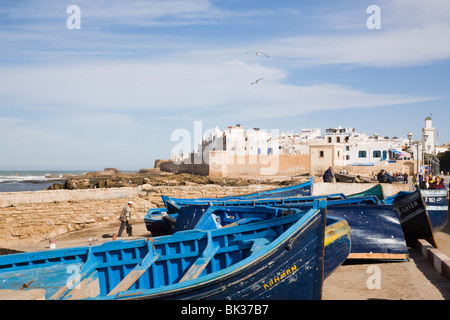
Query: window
x,y
347,157
320,154
329,140
338,139
377,154
347,148
384,154
362,154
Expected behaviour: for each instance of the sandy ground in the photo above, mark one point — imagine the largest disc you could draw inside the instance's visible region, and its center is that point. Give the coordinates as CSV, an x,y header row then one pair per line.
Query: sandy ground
x,y
415,279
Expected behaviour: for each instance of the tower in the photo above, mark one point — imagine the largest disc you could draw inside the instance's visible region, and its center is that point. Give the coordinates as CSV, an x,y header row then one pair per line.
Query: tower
x,y
428,134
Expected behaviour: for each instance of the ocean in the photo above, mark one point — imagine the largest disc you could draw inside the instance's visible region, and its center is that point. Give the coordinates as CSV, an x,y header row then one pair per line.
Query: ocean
x,y
32,180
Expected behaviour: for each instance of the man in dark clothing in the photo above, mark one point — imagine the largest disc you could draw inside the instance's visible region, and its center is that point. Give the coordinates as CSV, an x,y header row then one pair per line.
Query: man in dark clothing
x,y
328,175
380,176
388,178
426,184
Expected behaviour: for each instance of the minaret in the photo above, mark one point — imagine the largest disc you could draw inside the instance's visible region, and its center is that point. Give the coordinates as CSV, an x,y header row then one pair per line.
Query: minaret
x,y
428,136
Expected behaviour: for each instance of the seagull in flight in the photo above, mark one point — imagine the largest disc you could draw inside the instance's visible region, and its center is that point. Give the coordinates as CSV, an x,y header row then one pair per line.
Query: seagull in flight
x,y
256,81
258,53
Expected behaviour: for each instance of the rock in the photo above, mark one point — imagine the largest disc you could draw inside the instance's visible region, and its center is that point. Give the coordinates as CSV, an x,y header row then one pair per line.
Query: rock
x,y
150,170
55,186
72,184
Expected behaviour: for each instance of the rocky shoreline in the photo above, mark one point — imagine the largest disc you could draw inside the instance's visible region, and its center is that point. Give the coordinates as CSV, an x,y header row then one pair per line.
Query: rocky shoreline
x,y
114,178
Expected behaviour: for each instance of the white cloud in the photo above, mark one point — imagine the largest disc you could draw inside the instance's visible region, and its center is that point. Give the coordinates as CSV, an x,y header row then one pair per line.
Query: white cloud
x,y
380,48
121,87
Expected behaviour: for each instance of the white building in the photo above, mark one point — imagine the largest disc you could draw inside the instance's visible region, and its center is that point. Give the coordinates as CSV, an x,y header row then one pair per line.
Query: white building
x,y
360,149
296,143
238,141
355,148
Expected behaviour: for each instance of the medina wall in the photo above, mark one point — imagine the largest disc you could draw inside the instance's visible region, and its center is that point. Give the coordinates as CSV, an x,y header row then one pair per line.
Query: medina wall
x,y
225,164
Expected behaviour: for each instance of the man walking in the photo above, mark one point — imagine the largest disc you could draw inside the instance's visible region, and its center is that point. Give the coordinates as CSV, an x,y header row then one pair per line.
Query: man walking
x,y
125,219
328,175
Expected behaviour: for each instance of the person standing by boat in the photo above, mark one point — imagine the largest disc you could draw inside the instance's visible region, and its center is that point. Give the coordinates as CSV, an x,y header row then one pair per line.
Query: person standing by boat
x,y
426,183
438,184
125,219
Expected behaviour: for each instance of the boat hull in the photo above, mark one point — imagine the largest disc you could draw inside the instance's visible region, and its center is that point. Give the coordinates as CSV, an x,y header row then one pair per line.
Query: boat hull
x,y
376,232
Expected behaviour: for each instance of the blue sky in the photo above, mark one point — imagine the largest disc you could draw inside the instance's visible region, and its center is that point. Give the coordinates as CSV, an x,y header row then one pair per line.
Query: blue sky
x,y
112,93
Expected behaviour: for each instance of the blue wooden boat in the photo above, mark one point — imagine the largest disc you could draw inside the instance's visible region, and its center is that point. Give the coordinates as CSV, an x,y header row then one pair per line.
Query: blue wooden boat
x,y
383,230
376,229
204,217
173,205
434,203
280,258
376,191
414,216
158,226
304,189
437,207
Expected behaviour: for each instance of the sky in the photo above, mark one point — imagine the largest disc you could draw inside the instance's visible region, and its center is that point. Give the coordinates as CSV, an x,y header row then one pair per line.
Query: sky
x,y
111,84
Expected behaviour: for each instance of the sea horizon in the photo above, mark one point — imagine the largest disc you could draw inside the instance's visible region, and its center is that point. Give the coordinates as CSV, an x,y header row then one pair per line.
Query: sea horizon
x,y
20,180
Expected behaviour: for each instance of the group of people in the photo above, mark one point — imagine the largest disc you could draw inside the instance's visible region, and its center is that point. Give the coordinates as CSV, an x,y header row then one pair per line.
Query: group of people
x,y
431,183
387,177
